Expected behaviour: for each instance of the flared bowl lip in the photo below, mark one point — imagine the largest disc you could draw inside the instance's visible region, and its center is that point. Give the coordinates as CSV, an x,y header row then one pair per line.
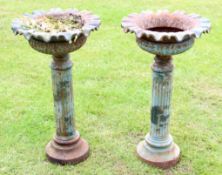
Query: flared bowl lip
x,y
131,24
91,22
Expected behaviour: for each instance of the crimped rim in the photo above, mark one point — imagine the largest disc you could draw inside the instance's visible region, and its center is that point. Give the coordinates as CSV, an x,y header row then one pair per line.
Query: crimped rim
x,y
191,25
91,23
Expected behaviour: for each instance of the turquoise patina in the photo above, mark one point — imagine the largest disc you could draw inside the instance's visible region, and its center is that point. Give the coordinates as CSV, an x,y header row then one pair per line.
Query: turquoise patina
x,y
160,110
165,48
158,146
163,34
63,97
66,147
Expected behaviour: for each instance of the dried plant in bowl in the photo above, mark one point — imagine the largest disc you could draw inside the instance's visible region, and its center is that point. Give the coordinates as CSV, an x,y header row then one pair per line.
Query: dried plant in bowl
x,y
56,32
56,25
53,23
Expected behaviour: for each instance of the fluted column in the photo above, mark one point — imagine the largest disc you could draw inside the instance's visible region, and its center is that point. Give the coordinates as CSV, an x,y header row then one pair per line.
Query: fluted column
x,y
161,99
63,97
158,148
67,147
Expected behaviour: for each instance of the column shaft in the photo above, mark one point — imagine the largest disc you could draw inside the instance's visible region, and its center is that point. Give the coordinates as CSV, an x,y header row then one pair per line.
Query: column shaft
x,y
63,97
161,100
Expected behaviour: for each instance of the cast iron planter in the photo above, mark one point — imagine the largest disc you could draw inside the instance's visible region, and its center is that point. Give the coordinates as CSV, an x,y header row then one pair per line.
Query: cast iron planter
x,y
57,32
163,34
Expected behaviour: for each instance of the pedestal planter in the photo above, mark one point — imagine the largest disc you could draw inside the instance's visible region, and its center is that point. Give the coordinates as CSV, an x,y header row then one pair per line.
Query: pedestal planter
x,y
58,33
163,34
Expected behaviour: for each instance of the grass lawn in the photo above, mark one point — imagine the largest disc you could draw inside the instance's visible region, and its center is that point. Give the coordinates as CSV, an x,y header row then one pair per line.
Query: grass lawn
x,y
112,83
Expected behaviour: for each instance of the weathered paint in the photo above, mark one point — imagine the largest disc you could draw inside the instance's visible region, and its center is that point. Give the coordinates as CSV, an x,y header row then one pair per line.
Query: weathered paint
x,y
158,148
67,147
89,23
165,48
161,99
164,26
163,35
63,97
58,49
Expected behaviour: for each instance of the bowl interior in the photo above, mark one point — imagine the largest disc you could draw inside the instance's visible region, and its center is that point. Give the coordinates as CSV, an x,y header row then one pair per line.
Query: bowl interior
x,y
167,22
54,22
165,29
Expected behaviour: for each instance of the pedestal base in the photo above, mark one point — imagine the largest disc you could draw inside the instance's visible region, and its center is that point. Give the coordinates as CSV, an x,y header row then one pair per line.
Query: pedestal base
x,y
162,158
67,152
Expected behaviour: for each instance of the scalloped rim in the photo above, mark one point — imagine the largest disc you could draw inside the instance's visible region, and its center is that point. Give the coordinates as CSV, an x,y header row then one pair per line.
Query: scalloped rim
x,y
91,23
129,25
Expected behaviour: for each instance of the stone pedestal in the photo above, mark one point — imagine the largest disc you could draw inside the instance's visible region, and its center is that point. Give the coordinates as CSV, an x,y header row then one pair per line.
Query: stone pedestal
x,y
67,146
158,148
163,34
59,32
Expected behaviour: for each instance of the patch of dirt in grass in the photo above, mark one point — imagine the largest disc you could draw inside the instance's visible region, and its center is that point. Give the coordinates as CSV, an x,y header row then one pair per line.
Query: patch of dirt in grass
x,y
181,168
121,168
209,98
208,90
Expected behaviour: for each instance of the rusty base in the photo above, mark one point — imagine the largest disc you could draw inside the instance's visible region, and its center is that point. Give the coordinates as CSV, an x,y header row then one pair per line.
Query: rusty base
x,y
162,158
67,152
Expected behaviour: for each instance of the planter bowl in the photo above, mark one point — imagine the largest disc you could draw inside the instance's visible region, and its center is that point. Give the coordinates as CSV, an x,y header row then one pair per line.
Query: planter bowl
x,y
57,49
165,33
35,26
58,32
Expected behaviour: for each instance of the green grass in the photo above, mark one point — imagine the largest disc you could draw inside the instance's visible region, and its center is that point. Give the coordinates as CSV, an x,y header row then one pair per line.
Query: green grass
x,y
112,79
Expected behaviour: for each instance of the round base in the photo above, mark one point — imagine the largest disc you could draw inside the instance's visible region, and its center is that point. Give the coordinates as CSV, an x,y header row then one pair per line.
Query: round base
x,y
67,152
162,158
